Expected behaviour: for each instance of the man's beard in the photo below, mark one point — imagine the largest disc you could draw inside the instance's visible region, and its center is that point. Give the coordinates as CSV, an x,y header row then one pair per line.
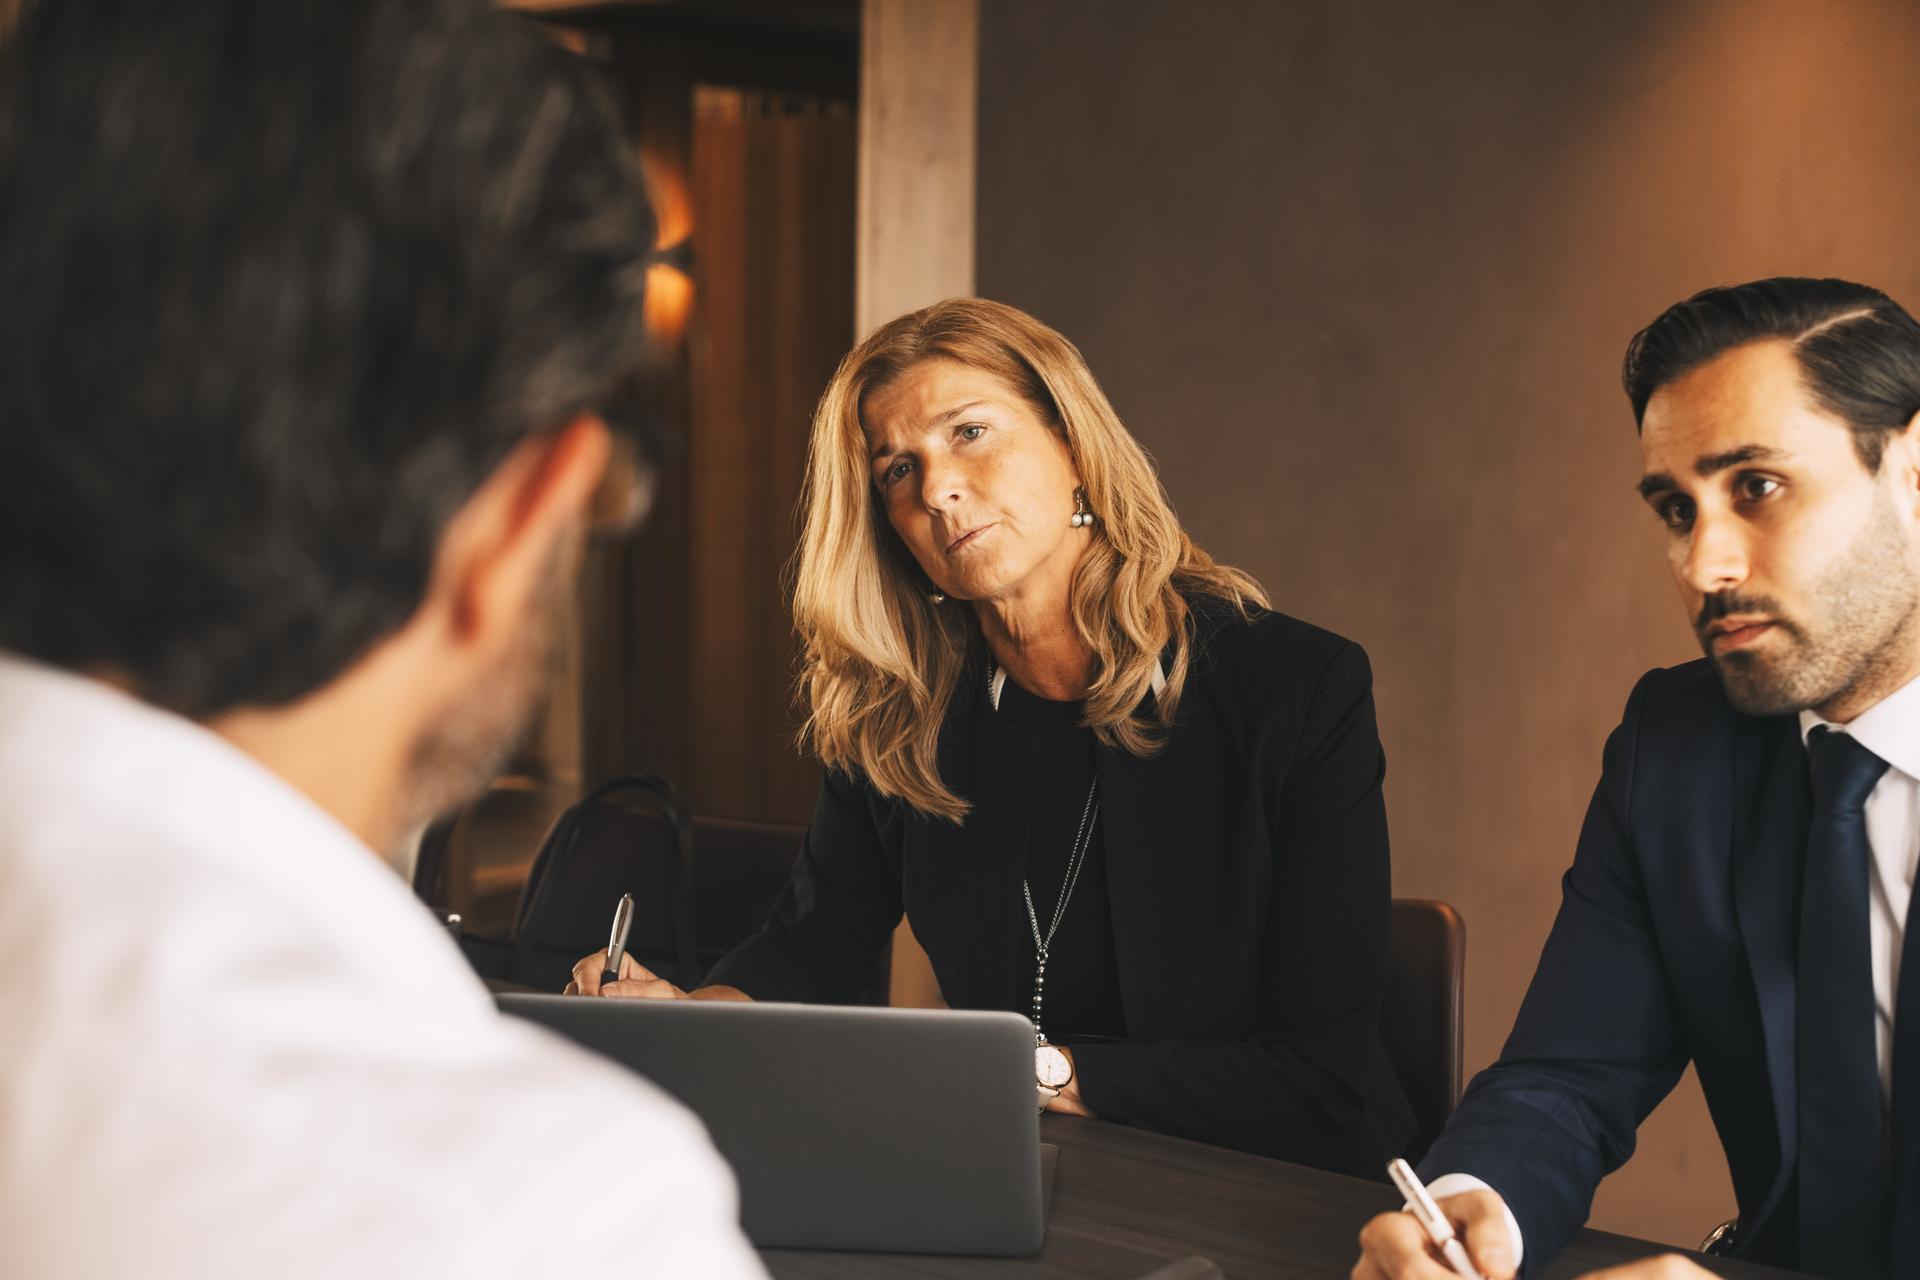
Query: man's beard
x,y
1851,636
456,759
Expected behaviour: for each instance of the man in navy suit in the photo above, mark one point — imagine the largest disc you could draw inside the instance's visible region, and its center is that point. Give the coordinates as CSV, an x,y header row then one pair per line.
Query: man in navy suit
x,y
1739,895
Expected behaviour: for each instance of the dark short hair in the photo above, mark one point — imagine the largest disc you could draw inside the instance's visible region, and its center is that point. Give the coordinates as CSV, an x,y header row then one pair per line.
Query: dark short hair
x,y
281,284
1858,350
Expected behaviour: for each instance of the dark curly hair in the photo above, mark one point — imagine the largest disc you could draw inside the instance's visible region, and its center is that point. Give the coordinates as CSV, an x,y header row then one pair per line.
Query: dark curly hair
x,y
280,285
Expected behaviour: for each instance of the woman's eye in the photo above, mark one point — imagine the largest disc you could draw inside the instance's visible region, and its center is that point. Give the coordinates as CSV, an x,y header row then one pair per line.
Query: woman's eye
x,y
1755,487
1676,512
972,431
897,470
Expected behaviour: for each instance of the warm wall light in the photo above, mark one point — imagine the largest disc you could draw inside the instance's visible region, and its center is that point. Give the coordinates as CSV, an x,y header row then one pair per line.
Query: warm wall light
x,y
669,279
670,292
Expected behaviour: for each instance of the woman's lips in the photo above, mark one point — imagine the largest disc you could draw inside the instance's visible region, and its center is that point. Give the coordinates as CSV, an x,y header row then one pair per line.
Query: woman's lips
x,y
967,539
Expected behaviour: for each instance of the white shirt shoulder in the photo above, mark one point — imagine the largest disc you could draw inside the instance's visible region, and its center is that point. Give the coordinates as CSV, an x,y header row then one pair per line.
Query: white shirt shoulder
x,y
237,1046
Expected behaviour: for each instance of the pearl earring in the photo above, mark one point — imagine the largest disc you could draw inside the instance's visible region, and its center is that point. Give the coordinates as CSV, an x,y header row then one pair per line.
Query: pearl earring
x,y
1082,516
937,598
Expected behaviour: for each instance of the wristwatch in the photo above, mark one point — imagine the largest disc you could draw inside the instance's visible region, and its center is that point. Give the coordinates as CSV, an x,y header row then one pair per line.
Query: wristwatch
x,y
1052,1072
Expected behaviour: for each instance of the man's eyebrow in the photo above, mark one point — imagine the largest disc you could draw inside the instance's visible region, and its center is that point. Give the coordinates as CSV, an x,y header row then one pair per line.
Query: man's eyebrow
x,y
1712,464
1656,482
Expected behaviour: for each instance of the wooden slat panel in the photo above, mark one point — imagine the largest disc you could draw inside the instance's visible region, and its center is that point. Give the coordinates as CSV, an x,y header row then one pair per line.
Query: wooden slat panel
x,y
773,184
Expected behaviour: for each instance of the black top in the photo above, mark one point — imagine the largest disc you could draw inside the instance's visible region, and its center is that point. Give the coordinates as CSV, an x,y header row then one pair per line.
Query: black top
x,y
1083,982
1246,867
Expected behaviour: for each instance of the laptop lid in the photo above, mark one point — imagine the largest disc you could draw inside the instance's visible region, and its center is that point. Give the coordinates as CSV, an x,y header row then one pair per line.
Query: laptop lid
x,y
902,1130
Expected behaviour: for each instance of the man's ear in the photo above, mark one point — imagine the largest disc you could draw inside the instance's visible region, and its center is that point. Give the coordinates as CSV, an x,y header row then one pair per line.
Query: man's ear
x,y
511,531
1902,455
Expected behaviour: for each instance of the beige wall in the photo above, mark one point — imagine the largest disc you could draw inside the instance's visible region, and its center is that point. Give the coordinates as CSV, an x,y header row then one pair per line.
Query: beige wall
x,y
1360,275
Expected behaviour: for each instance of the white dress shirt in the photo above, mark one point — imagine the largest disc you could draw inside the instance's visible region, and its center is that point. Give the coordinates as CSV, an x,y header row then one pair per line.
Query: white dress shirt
x,y
233,1044
1890,728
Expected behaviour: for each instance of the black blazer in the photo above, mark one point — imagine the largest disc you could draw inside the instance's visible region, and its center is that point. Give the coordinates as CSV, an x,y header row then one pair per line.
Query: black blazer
x,y
1247,871
1675,941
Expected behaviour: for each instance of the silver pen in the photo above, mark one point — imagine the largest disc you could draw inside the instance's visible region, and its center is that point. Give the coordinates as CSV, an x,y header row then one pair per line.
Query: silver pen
x,y
617,940
1439,1229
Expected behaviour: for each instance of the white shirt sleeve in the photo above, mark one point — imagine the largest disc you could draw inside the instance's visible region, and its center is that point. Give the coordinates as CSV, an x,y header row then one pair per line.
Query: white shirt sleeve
x,y
234,1045
1453,1184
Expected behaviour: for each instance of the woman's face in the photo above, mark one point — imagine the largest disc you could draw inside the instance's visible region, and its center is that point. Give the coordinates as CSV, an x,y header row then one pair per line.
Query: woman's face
x,y
977,484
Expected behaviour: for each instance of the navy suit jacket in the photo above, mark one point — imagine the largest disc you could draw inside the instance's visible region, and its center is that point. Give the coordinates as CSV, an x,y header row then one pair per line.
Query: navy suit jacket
x,y
1675,942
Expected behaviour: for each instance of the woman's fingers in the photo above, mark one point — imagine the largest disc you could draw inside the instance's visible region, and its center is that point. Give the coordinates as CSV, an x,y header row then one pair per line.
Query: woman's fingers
x,y
586,974
645,987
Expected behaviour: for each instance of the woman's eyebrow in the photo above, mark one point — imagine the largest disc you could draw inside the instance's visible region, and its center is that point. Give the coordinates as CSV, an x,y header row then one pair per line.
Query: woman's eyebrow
x,y
956,411
880,450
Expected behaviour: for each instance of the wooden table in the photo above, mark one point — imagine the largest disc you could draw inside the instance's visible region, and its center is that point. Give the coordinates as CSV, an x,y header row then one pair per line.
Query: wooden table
x,y
1126,1201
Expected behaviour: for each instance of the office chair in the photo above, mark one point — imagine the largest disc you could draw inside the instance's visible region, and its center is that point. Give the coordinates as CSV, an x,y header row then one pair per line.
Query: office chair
x,y
632,835
474,860
737,871
1421,1014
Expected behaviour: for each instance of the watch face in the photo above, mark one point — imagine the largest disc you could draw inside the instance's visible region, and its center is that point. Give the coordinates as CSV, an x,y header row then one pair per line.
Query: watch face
x,y
1051,1068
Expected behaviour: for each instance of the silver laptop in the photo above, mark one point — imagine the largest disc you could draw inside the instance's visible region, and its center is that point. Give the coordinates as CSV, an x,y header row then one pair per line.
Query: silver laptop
x,y
903,1130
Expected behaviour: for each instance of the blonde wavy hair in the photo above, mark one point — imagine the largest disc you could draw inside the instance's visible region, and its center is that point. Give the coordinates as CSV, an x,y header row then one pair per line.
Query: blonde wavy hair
x,y
881,660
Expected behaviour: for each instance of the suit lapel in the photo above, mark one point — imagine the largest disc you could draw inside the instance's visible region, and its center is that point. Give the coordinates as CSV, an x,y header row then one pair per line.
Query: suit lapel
x,y
1771,804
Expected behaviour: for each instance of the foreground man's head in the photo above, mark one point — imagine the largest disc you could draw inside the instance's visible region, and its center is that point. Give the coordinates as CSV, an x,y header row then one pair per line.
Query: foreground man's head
x,y
307,313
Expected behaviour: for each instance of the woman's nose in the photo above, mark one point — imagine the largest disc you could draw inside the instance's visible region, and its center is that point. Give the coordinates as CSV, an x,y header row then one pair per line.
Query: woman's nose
x,y
941,485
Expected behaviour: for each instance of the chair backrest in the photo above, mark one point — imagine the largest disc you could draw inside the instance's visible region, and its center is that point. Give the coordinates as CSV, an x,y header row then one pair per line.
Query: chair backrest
x,y
1421,1016
626,842
475,859
628,835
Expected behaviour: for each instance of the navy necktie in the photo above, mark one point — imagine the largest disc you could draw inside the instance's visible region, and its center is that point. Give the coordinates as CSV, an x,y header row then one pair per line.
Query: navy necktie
x,y
1842,1161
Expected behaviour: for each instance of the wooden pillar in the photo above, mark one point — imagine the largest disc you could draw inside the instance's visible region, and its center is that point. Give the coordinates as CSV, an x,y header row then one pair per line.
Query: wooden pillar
x,y
919,91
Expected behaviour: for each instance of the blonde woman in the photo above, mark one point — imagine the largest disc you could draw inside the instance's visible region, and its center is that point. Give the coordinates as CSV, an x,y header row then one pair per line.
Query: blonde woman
x,y
1110,789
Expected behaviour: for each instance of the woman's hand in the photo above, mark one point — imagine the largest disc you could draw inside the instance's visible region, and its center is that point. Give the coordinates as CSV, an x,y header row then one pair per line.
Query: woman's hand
x,y
1067,1101
637,982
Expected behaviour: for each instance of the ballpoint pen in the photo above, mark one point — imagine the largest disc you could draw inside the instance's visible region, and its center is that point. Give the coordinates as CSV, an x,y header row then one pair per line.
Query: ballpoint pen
x,y
617,940
1439,1229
